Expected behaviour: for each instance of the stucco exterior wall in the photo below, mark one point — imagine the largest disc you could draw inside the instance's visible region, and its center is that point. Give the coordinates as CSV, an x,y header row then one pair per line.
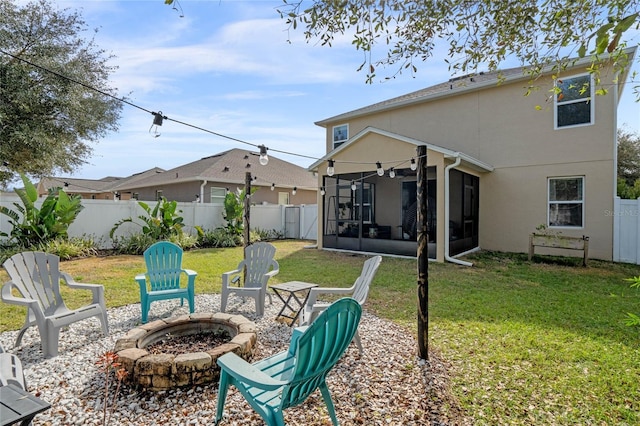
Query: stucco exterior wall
x,y
500,126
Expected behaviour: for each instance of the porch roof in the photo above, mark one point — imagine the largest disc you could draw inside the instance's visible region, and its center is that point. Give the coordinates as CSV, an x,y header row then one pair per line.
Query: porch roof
x,y
467,160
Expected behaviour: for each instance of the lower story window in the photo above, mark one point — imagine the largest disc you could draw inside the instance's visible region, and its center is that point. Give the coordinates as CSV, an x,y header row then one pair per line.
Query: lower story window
x,y
566,202
218,195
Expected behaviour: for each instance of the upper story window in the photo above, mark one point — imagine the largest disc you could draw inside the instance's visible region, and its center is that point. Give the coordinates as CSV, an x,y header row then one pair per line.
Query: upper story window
x,y
566,202
340,135
574,101
218,195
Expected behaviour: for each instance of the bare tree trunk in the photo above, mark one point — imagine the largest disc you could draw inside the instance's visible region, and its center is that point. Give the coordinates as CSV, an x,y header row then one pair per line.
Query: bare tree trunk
x,y
423,255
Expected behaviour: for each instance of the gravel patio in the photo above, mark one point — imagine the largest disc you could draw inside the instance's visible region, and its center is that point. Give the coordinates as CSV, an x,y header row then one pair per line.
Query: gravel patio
x,y
387,385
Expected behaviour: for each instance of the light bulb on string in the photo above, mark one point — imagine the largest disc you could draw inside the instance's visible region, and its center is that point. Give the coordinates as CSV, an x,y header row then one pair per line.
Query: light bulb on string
x,y
413,166
264,159
273,186
353,185
379,169
330,169
322,191
392,173
295,189
157,122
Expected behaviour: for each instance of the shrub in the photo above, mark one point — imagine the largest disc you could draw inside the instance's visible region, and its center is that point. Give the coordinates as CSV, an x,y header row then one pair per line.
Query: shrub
x,y
267,234
219,237
160,223
70,248
32,226
132,244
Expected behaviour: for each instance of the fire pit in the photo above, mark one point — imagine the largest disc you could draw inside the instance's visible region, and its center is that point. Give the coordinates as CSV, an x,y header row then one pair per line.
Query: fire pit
x,y
160,371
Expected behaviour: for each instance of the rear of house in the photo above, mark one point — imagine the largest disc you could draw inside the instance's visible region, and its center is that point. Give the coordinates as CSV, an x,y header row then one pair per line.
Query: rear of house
x,y
499,164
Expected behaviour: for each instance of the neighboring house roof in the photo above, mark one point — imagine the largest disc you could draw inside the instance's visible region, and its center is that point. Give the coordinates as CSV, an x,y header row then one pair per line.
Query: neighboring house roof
x,y
455,86
231,167
468,160
93,186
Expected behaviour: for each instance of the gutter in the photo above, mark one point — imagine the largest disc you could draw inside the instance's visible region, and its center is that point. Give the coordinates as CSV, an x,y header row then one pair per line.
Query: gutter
x,y
447,170
202,186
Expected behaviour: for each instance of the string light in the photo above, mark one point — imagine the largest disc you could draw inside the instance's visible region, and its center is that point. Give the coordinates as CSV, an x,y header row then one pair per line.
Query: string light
x,y
353,185
264,159
273,186
331,169
157,122
295,189
379,169
413,166
392,173
322,191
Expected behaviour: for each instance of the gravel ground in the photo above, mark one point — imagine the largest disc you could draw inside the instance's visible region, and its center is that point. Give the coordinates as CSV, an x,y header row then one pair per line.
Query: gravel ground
x,y
387,385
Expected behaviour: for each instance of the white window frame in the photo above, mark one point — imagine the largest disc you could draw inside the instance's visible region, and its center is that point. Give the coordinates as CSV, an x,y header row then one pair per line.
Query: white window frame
x,y
550,202
217,198
587,96
283,198
335,134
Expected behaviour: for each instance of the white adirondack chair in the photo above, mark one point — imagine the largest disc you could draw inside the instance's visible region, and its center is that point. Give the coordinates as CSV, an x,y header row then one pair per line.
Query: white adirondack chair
x,y
358,291
36,277
258,266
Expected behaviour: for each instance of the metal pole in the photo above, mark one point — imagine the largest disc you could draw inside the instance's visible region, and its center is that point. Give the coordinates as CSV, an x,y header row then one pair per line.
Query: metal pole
x,y
423,255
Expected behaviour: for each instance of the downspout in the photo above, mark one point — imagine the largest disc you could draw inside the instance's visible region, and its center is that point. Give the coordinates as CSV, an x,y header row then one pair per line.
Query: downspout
x,y
446,213
202,186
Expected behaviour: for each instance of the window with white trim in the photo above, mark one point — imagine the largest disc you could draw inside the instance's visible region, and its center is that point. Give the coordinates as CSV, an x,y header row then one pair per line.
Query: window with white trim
x,y
340,135
566,202
573,101
218,195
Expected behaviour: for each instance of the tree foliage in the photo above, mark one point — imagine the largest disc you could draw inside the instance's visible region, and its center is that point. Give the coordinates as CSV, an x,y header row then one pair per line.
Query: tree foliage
x,y
628,156
47,121
476,33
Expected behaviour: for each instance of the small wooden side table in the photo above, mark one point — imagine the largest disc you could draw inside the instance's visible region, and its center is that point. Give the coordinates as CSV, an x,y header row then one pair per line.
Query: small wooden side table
x,y
294,295
18,405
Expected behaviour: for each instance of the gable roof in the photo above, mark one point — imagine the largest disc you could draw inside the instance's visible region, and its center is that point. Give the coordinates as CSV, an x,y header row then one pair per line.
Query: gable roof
x,y
466,159
231,167
93,186
459,85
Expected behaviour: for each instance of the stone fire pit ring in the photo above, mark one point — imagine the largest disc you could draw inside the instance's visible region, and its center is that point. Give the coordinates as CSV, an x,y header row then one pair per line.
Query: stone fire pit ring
x,y
165,371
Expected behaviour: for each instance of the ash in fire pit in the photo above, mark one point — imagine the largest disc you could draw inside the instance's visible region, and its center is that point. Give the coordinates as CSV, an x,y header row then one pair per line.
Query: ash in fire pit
x,y
178,351
199,342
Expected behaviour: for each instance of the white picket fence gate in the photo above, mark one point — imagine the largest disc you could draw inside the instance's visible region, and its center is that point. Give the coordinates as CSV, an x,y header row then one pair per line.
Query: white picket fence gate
x,y
626,230
98,217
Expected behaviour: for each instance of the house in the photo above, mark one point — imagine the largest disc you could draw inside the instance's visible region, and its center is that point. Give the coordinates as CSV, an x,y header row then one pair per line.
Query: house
x,y
95,189
207,180
499,164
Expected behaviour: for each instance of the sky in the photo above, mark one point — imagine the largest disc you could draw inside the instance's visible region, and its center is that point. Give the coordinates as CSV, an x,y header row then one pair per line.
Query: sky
x,y
232,67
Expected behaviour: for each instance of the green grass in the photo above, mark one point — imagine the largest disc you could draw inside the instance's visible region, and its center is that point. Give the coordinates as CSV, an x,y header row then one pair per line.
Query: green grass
x,y
540,342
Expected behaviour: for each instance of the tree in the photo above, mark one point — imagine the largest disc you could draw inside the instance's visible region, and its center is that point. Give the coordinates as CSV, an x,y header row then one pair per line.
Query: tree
x,y
628,156
478,33
49,112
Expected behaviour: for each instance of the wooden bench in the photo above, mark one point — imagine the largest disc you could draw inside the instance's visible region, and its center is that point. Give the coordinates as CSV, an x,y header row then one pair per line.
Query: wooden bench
x,y
560,242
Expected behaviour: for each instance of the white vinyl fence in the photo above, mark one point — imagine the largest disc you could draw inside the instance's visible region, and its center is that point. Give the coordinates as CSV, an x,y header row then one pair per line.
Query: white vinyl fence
x,y
626,231
98,217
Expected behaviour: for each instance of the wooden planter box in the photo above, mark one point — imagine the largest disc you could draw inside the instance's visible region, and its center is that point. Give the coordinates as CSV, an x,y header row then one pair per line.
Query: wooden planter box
x,y
560,242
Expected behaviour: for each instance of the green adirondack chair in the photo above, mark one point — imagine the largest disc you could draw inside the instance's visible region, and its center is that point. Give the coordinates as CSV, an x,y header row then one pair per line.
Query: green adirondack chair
x,y
288,378
162,279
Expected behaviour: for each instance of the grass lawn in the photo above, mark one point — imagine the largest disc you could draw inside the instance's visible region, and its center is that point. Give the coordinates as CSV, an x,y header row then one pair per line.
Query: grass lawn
x,y
540,342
